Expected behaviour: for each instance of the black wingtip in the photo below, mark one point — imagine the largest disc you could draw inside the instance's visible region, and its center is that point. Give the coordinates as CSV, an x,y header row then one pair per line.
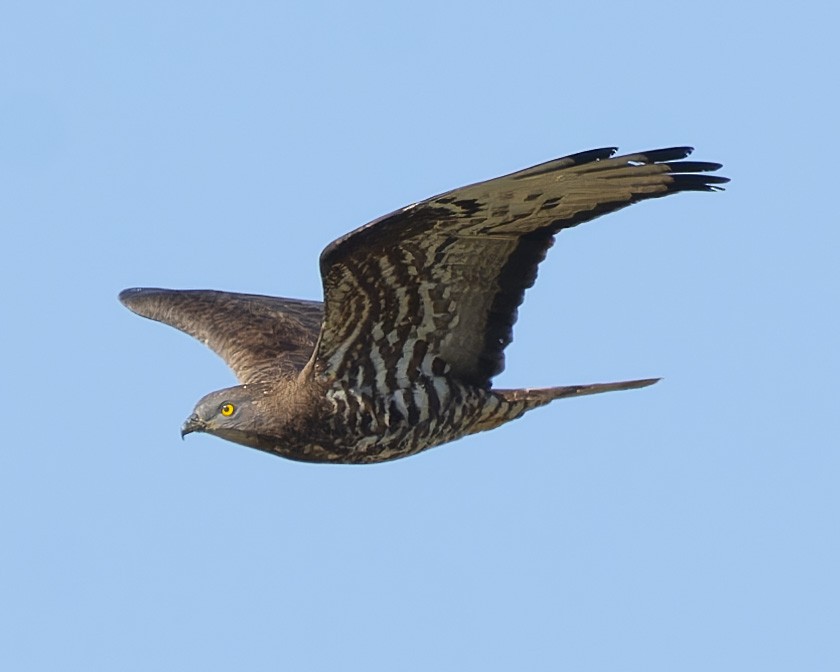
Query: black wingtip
x,y
126,295
646,382
129,297
694,166
668,153
687,175
591,155
698,182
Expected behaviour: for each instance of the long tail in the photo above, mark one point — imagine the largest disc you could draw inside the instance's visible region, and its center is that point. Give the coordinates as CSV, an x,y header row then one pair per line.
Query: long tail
x,y
512,404
534,397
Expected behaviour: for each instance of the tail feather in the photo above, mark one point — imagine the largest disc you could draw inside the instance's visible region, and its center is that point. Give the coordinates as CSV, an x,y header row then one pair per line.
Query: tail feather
x,y
512,404
534,397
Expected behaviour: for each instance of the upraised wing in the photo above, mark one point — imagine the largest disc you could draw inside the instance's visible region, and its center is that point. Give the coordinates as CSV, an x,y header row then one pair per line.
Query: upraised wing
x,y
259,337
438,283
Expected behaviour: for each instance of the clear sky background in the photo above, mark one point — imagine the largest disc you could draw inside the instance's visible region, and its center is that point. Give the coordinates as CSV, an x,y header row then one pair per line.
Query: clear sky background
x,y
691,526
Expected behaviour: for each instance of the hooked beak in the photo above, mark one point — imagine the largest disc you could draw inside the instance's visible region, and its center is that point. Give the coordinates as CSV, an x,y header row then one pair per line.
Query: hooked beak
x,y
193,424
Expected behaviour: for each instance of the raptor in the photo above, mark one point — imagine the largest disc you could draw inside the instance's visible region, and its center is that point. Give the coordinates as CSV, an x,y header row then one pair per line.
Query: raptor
x,y
418,308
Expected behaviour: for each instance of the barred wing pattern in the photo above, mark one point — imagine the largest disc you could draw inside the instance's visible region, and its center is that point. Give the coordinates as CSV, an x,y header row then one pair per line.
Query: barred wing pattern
x,y
261,338
434,288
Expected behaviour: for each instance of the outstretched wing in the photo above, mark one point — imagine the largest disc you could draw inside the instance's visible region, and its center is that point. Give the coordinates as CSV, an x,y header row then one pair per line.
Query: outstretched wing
x,y
259,337
438,283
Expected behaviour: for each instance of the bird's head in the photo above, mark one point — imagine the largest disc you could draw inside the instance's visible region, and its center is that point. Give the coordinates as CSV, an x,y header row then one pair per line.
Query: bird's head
x,y
234,414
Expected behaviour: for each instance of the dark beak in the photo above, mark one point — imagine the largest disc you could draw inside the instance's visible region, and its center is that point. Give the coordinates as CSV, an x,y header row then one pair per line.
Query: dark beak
x,y
193,424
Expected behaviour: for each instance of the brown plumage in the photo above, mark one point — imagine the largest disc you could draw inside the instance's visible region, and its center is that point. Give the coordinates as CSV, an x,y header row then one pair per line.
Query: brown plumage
x,y
419,306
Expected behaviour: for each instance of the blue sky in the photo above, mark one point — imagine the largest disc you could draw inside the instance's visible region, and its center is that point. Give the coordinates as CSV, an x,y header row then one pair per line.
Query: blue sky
x,y
694,525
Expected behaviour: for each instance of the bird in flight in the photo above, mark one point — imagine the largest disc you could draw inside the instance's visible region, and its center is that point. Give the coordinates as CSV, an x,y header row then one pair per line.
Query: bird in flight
x,y
418,308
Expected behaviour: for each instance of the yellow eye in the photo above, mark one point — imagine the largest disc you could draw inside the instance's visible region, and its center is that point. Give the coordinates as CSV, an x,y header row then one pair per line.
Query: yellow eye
x,y
227,410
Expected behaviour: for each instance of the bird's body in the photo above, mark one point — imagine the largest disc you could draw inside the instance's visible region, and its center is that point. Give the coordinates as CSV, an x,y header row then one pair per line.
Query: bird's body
x,y
345,424
419,306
